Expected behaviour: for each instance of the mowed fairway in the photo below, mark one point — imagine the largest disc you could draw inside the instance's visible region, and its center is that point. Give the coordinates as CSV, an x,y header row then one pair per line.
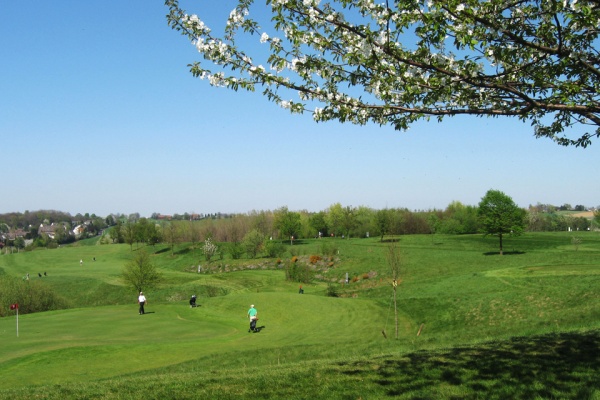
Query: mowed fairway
x,y
458,303
100,342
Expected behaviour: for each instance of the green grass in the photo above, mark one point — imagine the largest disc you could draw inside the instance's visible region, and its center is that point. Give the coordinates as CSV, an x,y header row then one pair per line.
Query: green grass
x,y
523,325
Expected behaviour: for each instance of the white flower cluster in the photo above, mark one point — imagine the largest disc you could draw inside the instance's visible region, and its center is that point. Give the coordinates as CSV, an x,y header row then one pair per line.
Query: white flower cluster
x,y
386,62
236,18
193,22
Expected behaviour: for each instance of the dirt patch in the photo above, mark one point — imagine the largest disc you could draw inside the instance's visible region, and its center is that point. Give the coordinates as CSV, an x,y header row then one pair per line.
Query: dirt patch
x,y
584,214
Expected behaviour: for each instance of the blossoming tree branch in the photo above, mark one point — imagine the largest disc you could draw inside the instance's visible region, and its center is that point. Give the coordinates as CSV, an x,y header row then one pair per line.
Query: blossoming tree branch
x,y
400,61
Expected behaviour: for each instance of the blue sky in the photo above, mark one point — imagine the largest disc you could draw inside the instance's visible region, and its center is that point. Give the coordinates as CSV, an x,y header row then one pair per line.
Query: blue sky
x,y
99,114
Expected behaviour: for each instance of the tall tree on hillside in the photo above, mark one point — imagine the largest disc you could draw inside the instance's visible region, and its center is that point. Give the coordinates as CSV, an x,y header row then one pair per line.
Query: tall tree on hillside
x,y
129,232
349,220
397,62
170,233
140,273
499,216
318,224
382,221
334,217
288,223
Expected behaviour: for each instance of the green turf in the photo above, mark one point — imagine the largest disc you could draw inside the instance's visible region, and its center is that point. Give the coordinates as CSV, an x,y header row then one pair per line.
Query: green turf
x,y
461,296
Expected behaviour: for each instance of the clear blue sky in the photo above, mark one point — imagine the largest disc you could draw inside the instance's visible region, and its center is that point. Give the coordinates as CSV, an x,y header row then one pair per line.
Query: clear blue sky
x,y
99,114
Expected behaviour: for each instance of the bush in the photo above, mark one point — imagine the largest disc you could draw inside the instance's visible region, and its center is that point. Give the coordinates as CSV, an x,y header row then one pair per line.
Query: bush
x,y
253,242
298,272
314,259
31,296
273,248
209,249
236,249
332,290
329,248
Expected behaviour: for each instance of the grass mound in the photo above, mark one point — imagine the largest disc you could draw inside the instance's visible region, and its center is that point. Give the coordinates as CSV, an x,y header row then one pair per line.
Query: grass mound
x,y
470,324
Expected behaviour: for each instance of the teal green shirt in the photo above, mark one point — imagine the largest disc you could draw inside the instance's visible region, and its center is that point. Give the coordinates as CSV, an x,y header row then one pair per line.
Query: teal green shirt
x,y
252,312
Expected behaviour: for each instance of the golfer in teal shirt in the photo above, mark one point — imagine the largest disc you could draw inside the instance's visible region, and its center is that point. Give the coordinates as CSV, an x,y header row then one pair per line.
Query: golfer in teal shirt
x,y
253,315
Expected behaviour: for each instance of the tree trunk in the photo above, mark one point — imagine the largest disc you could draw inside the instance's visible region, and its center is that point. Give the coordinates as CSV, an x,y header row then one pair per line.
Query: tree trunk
x,y
395,311
500,236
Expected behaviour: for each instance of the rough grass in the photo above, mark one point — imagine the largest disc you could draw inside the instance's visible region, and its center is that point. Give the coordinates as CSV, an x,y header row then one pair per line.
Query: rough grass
x,y
522,325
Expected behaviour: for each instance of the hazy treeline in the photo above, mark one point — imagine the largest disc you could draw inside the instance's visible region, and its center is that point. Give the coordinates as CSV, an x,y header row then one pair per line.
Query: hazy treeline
x,y
337,220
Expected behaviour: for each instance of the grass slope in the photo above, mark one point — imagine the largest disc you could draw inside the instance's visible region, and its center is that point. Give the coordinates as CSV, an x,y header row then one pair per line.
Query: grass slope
x,y
522,325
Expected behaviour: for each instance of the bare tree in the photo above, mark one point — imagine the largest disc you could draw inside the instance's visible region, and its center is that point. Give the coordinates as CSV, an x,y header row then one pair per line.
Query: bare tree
x,y
393,259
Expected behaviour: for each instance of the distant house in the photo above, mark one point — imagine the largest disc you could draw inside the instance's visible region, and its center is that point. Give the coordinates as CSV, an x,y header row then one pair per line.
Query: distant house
x,y
13,234
50,230
79,230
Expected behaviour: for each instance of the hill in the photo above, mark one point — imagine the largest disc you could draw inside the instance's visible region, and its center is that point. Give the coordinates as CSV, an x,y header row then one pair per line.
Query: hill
x,y
471,323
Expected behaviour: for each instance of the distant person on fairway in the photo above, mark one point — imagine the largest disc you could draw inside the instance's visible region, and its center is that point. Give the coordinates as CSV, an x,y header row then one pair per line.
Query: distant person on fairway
x,y
253,315
142,301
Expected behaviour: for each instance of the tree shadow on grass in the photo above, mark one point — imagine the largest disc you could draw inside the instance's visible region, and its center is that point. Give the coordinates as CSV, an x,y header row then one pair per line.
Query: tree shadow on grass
x,y
563,365
506,253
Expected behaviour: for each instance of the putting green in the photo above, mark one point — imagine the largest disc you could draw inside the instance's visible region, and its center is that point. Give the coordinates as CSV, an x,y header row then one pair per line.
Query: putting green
x,y
101,342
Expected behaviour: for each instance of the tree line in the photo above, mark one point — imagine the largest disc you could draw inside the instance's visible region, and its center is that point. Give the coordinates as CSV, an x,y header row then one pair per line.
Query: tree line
x,y
247,231
283,224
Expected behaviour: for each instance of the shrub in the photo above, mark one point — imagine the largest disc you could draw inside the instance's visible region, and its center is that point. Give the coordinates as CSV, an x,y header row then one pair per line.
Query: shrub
x,y
273,248
236,249
365,276
314,259
253,242
31,296
332,290
209,249
329,248
294,250
298,272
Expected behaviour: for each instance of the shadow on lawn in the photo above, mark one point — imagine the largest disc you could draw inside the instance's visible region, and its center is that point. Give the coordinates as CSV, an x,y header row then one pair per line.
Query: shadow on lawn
x,y
506,253
561,365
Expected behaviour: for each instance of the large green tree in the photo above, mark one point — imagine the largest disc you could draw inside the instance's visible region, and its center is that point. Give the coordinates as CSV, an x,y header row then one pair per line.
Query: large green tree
x,y
382,221
288,223
396,61
499,216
